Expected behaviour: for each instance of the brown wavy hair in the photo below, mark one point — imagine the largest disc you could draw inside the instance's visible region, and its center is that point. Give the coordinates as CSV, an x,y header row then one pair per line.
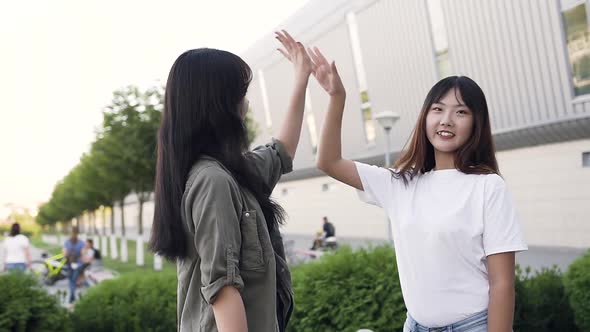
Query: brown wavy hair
x,y
476,156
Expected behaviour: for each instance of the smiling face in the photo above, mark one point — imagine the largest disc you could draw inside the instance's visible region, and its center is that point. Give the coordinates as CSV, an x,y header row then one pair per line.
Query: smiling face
x,y
449,125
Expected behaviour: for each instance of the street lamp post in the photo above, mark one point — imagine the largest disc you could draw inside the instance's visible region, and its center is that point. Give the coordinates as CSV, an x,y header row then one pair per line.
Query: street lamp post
x,y
386,120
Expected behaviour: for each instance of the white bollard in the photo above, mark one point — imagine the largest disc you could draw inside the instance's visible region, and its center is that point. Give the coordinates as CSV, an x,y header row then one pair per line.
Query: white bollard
x,y
114,252
139,254
157,262
124,252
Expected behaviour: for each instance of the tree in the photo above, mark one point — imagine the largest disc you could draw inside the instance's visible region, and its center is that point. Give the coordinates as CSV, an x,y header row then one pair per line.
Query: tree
x,y
132,120
121,160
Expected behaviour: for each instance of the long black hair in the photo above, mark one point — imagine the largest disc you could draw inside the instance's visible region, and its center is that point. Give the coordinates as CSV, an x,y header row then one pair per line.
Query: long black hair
x,y
15,229
204,93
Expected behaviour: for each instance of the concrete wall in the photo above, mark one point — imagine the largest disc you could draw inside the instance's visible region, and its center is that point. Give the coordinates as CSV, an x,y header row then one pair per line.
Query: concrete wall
x,y
550,188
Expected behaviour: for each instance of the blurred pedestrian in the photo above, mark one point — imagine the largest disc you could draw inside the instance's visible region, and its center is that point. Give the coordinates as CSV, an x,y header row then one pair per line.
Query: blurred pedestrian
x,y
17,252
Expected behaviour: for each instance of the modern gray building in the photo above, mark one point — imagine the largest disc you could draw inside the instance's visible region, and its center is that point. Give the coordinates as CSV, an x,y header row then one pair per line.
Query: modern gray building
x,y
531,58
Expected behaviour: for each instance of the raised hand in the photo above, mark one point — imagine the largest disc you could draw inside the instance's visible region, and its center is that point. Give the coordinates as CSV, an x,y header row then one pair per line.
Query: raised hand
x,y
326,74
295,52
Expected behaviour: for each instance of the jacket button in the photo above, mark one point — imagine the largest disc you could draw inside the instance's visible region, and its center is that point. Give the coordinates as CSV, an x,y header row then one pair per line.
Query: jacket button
x,y
247,214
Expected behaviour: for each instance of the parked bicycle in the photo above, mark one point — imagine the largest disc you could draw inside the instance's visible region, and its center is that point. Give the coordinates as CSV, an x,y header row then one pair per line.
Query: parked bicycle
x,y
51,269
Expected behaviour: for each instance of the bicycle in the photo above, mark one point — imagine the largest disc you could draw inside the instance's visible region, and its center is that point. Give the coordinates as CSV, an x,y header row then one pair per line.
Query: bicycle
x,y
50,270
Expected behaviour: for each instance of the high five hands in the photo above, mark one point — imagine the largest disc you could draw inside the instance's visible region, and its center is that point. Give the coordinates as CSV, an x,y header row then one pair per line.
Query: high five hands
x,y
326,74
295,52
311,62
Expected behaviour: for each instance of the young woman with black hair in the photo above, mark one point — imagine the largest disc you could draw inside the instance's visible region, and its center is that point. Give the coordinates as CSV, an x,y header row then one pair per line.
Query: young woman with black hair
x,y
213,213
454,224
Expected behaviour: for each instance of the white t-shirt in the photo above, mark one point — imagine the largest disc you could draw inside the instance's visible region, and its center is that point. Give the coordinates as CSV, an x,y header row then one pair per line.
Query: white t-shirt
x,y
88,254
14,247
444,224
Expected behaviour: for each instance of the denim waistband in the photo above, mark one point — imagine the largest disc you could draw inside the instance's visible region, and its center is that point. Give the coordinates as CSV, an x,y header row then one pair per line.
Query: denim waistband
x,y
463,325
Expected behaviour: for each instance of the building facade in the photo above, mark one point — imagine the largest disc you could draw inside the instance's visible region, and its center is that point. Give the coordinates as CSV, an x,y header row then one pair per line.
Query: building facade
x,y
531,58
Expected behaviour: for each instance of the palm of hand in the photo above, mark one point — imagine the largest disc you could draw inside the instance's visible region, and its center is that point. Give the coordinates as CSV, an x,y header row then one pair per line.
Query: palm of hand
x,y
301,60
325,77
325,73
295,53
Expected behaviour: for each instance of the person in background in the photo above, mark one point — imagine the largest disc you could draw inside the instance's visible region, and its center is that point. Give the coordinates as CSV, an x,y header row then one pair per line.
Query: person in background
x,y
17,254
72,250
329,229
90,257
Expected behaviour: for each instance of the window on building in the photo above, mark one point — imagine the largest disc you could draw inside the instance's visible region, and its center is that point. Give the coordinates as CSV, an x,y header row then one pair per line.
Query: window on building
x,y
329,186
439,36
311,123
366,112
575,21
264,93
585,159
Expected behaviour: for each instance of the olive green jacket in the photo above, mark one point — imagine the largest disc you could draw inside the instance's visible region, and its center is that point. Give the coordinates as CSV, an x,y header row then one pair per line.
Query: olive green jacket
x,y
229,244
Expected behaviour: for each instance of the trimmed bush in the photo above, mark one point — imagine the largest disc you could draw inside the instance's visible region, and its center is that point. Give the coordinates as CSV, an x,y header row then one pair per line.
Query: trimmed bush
x,y
541,302
135,302
577,285
347,291
25,306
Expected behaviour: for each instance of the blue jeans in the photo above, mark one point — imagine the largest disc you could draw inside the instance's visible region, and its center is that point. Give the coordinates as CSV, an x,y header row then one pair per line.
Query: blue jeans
x,y
16,267
475,323
72,278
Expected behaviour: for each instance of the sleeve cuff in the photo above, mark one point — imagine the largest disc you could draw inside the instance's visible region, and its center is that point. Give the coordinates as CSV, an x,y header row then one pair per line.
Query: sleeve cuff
x,y
364,195
209,292
512,248
231,278
286,160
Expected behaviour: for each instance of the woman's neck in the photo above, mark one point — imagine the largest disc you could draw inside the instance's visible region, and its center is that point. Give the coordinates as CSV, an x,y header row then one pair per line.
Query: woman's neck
x,y
444,160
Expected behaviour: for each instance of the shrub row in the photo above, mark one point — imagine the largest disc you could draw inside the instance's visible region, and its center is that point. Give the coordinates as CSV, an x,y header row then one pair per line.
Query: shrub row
x,y
346,291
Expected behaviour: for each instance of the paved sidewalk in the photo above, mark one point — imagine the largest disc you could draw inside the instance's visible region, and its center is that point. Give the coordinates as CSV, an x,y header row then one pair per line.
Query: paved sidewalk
x,y
536,257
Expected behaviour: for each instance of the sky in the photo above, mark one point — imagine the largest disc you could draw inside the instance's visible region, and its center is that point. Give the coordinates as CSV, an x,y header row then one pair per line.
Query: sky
x,y
60,61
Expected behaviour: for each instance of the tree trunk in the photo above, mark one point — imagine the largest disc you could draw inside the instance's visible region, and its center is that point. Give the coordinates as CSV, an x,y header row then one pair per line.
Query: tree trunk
x,y
112,207
93,221
123,217
140,218
104,221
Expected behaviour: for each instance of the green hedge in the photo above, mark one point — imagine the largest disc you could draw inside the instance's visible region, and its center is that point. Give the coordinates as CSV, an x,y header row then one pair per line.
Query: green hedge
x,y
344,291
352,290
541,302
577,283
25,306
348,291
135,302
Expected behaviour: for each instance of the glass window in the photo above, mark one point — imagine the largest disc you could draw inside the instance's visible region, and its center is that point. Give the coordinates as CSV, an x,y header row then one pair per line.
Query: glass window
x,y
265,101
311,124
439,36
366,112
578,46
585,159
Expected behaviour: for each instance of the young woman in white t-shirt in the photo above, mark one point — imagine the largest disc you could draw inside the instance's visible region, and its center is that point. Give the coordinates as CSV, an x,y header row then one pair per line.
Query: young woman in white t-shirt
x,y
17,255
454,225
